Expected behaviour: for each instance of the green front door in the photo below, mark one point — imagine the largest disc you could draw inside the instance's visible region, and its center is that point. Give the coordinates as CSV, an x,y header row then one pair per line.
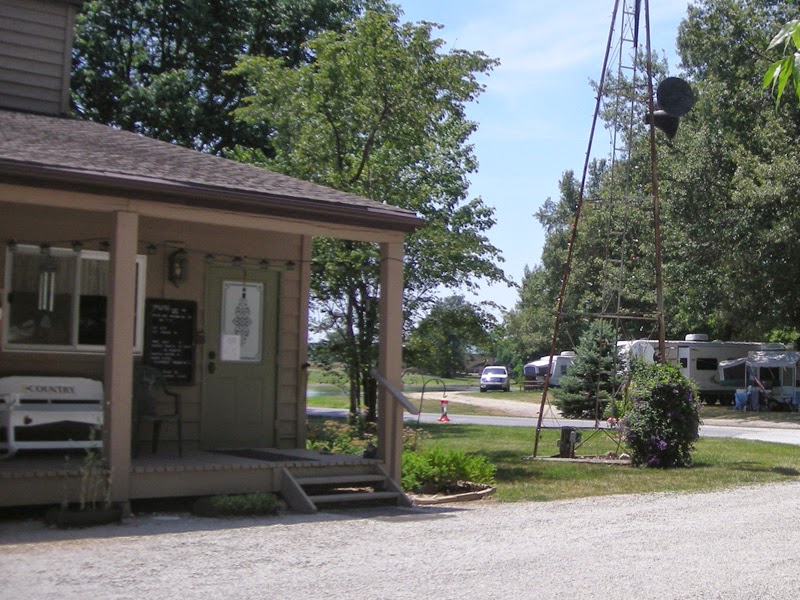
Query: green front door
x,y
239,362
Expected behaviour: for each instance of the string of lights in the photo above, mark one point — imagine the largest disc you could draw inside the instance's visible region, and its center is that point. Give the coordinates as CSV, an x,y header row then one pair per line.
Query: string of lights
x,y
152,248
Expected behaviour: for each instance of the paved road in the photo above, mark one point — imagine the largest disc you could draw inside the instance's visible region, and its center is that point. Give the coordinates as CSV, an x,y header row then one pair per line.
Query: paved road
x,y
766,434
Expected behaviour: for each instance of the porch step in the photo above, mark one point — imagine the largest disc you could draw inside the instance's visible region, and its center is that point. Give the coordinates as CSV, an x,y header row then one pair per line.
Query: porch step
x,y
350,497
306,489
345,480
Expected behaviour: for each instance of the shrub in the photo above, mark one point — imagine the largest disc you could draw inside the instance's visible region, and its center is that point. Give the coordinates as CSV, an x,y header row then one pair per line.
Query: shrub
x,y
438,470
236,505
414,438
338,438
663,417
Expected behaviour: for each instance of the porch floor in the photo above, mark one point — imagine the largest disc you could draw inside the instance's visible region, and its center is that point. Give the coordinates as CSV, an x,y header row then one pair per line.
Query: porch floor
x,y
31,478
32,463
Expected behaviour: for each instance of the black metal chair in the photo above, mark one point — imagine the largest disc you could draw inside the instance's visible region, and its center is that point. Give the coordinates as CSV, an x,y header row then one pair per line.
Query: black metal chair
x,y
148,385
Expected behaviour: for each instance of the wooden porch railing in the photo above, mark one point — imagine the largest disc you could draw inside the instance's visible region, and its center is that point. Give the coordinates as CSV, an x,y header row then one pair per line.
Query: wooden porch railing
x,y
396,394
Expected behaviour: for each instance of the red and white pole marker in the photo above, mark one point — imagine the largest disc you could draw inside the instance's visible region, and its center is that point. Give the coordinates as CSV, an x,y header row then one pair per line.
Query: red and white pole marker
x,y
444,418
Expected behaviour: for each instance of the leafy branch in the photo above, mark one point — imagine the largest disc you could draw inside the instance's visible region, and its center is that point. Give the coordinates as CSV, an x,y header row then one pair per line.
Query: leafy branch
x,y
780,71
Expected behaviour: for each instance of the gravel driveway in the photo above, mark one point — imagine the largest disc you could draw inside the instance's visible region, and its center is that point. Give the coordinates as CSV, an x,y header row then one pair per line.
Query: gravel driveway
x,y
733,544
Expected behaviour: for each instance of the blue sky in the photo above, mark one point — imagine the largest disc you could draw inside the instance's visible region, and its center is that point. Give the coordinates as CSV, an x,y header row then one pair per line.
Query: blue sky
x,y
535,115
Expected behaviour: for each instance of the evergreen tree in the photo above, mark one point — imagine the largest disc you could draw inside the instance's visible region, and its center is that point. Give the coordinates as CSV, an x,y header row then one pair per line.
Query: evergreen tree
x,y
589,382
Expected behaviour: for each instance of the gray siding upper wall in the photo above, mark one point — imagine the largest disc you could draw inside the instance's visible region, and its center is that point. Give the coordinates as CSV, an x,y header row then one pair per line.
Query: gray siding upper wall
x,y
35,54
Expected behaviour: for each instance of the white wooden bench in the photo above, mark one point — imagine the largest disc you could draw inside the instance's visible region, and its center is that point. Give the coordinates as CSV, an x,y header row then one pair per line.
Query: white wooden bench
x,y
29,401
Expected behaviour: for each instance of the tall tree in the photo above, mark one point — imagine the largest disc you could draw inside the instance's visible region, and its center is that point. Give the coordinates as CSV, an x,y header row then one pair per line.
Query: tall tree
x,y
441,342
529,325
594,284
380,112
161,67
731,180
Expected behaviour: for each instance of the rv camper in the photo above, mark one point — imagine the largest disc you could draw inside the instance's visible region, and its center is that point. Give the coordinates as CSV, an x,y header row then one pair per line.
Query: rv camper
x,y
534,372
698,359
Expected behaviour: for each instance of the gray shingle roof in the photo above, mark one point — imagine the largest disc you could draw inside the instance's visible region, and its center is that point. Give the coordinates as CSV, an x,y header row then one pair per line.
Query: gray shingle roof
x,y
45,150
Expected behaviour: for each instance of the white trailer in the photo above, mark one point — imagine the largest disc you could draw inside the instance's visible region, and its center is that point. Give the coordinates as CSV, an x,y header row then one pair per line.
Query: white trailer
x,y
535,371
698,359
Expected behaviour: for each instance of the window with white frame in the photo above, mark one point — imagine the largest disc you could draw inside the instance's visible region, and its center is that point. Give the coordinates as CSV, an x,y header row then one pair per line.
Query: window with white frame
x,y
57,299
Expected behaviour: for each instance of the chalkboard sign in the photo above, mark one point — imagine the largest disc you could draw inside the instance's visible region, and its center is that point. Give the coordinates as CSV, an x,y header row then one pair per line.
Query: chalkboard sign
x,y
169,338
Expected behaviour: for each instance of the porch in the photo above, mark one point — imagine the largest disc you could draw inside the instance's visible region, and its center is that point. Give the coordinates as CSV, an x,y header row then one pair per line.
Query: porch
x,y
303,478
187,238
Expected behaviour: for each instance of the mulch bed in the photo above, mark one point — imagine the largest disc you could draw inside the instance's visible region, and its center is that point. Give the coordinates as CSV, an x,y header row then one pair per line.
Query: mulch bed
x,y
603,459
465,491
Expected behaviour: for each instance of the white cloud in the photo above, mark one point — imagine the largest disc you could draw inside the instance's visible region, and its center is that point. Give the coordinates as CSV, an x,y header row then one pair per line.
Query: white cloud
x,y
535,41
539,42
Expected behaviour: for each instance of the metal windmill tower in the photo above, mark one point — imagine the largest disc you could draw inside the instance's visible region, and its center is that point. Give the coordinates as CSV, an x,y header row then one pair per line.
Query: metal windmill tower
x,y
625,100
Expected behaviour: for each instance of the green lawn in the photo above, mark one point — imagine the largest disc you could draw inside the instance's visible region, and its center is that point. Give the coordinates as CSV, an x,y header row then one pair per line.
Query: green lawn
x,y
433,397
718,463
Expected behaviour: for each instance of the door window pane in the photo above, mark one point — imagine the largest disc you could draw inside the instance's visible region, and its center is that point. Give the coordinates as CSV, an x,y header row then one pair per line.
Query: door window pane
x,y
241,321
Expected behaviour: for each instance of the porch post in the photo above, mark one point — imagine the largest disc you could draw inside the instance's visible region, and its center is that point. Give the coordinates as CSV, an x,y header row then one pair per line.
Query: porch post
x,y
390,359
119,353
302,351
